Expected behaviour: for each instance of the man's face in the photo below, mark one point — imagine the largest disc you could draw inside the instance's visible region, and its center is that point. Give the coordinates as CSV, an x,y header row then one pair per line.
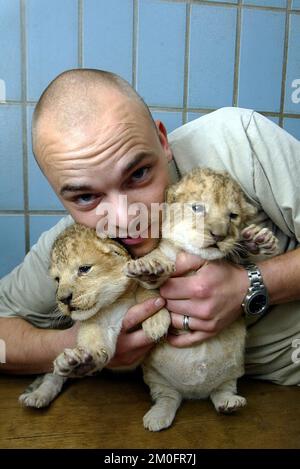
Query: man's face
x,y
119,155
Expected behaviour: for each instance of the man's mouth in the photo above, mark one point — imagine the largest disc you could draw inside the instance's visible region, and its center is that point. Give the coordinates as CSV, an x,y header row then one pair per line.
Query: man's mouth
x,y
132,241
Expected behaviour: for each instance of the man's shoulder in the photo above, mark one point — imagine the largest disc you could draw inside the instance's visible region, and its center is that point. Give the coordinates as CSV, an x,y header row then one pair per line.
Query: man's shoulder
x,y
233,119
47,238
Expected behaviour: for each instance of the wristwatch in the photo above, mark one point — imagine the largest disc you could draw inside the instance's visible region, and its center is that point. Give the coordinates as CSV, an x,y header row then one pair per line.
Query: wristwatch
x,y
256,301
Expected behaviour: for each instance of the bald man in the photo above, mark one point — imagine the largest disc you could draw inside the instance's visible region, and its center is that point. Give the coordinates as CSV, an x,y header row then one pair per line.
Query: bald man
x,y
95,140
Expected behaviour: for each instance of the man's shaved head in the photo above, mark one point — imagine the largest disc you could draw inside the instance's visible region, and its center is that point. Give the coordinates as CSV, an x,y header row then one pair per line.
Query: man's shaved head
x,y
77,98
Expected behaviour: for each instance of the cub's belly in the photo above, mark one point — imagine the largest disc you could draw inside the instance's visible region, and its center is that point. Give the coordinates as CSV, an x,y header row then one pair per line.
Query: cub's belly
x,y
196,371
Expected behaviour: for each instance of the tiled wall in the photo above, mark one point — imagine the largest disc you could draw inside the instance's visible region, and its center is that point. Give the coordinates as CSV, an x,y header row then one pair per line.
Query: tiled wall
x,y
185,58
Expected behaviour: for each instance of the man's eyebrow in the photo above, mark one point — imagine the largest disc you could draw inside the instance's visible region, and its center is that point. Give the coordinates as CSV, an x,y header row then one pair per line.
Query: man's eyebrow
x,y
135,161
86,188
74,188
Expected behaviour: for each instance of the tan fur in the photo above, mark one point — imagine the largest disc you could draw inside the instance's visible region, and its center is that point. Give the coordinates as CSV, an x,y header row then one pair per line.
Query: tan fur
x,y
211,368
226,212
99,299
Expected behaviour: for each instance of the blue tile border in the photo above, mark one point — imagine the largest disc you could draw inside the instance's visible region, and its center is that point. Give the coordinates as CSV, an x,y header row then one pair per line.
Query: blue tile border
x,y
12,242
261,64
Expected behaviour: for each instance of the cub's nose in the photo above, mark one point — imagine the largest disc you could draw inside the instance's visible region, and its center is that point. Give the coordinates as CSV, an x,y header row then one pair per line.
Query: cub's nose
x,y
216,237
66,300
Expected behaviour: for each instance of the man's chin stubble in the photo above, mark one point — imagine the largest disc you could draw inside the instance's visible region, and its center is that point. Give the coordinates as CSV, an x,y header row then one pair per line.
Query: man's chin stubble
x,y
144,248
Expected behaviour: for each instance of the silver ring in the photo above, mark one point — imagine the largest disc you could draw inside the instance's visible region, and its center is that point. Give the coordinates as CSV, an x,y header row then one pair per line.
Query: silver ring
x,y
186,320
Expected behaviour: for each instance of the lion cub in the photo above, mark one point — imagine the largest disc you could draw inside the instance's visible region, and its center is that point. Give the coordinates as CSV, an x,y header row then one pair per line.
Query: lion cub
x,y
214,202
93,289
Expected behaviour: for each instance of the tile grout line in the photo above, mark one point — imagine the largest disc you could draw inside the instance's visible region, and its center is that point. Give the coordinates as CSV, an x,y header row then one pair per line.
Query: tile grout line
x,y
171,109
188,13
24,123
284,63
237,53
80,33
135,19
234,4
33,212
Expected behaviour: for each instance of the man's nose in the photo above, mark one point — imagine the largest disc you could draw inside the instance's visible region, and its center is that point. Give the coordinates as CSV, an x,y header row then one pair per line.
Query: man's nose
x,y
121,213
115,210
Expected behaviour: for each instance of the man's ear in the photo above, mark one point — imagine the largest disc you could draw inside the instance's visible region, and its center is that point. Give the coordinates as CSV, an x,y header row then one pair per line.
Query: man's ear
x,y
163,138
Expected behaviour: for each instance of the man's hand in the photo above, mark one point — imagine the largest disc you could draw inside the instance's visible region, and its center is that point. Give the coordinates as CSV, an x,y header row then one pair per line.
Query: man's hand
x,y
212,297
132,344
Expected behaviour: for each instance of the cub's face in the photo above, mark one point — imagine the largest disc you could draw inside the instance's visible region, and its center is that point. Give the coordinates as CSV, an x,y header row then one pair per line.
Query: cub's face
x,y
208,212
88,271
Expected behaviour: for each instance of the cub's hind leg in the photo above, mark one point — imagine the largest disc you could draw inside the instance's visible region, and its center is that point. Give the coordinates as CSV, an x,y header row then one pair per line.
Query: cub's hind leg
x,y
225,398
42,391
166,402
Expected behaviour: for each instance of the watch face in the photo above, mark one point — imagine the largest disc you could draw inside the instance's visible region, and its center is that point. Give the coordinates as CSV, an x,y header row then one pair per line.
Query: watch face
x,y
257,303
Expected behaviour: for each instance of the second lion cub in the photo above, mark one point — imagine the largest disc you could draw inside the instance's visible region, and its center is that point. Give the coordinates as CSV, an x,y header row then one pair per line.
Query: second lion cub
x,y
211,368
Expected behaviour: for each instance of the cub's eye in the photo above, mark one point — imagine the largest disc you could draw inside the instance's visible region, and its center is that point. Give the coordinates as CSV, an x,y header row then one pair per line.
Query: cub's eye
x,y
56,279
233,216
198,208
84,269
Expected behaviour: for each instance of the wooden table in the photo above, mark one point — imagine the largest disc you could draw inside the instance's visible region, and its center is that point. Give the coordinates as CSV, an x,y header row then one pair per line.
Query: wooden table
x,y
106,412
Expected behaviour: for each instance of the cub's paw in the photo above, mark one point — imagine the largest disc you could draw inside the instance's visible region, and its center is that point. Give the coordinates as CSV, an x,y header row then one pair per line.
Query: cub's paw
x,y
230,403
157,325
157,419
78,362
35,399
42,391
149,270
259,240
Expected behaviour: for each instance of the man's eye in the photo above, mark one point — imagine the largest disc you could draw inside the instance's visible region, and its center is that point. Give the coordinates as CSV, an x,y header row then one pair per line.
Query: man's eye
x,y
140,173
85,199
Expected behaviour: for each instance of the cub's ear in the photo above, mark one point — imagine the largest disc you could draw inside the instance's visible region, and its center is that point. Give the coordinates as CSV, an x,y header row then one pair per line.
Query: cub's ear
x,y
172,193
248,210
169,195
108,246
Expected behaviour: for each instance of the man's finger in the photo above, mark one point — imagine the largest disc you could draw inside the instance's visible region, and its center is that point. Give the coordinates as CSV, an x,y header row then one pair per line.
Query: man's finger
x,y
129,360
195,324
138,313
181,307
137,339
182,288
186,263
190,338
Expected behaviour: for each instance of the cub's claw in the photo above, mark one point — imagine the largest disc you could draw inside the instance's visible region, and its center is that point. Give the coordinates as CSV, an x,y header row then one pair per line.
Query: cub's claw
x,y
260,241
79,362
148,270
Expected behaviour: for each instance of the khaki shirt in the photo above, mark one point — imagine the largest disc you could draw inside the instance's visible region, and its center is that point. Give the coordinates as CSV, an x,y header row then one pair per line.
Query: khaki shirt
x,y
265,160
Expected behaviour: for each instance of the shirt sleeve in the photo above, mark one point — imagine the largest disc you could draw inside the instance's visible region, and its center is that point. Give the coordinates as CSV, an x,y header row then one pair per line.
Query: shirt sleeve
x,y
276,173
28,291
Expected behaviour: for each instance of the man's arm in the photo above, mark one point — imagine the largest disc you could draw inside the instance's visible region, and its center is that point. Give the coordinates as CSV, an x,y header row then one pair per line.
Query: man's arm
x,y
31,350
281,276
